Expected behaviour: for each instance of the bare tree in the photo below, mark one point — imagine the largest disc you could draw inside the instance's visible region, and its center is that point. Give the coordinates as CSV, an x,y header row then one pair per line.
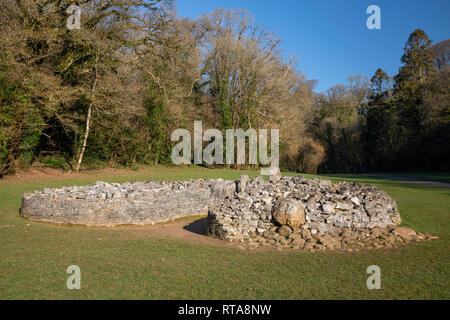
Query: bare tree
x,y
74,68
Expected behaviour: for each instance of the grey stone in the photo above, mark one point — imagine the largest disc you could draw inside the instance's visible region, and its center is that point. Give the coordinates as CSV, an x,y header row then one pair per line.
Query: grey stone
x,y
344,206
221,189
328,207
355,201
242,183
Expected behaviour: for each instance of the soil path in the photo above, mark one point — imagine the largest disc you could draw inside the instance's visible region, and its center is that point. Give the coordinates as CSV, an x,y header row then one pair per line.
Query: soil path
x,y
188,229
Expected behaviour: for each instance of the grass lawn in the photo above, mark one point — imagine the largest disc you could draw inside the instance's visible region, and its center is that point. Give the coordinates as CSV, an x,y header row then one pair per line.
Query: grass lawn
x,y
427,176
119,264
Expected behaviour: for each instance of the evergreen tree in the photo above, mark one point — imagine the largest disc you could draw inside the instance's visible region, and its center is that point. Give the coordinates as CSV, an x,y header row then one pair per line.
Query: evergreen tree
x,y
410,83
378,121
410,94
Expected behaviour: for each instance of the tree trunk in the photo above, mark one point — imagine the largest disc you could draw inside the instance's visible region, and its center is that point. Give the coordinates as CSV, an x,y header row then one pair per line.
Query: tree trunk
x,y
86,133
88,119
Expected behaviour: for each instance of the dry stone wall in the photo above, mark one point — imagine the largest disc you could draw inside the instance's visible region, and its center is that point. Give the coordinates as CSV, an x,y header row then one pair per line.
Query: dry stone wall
x,y
105,204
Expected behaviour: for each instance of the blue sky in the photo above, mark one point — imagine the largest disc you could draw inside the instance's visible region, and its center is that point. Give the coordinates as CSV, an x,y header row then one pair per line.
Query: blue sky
x,y
330,37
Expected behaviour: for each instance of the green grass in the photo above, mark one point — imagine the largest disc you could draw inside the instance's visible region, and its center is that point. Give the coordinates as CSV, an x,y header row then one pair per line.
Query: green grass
x,y
427,176
119,264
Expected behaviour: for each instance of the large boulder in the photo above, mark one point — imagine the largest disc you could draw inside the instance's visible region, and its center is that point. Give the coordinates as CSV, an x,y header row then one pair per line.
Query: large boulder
x,y
289,212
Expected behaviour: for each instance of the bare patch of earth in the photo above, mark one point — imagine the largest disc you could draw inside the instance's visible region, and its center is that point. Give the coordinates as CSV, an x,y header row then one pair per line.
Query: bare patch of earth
x,y
191,229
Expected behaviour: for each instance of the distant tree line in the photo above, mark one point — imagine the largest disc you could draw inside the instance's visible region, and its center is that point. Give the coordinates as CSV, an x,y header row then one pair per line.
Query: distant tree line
x,y
113,91
398,123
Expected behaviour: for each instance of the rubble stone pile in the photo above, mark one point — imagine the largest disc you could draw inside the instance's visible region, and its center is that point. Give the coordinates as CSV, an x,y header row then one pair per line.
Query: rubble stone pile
x,y
309,214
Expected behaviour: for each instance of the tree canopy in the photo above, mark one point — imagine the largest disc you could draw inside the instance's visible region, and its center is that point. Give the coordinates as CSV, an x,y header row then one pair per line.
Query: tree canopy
x,y
113,91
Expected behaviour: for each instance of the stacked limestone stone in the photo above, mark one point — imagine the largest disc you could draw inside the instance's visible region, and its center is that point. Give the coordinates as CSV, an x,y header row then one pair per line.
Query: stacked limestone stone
x,y
288,212
105,204
307,214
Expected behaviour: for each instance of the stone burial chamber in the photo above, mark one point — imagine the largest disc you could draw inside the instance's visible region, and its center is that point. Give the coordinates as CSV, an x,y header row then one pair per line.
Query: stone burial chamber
x,y
283,212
